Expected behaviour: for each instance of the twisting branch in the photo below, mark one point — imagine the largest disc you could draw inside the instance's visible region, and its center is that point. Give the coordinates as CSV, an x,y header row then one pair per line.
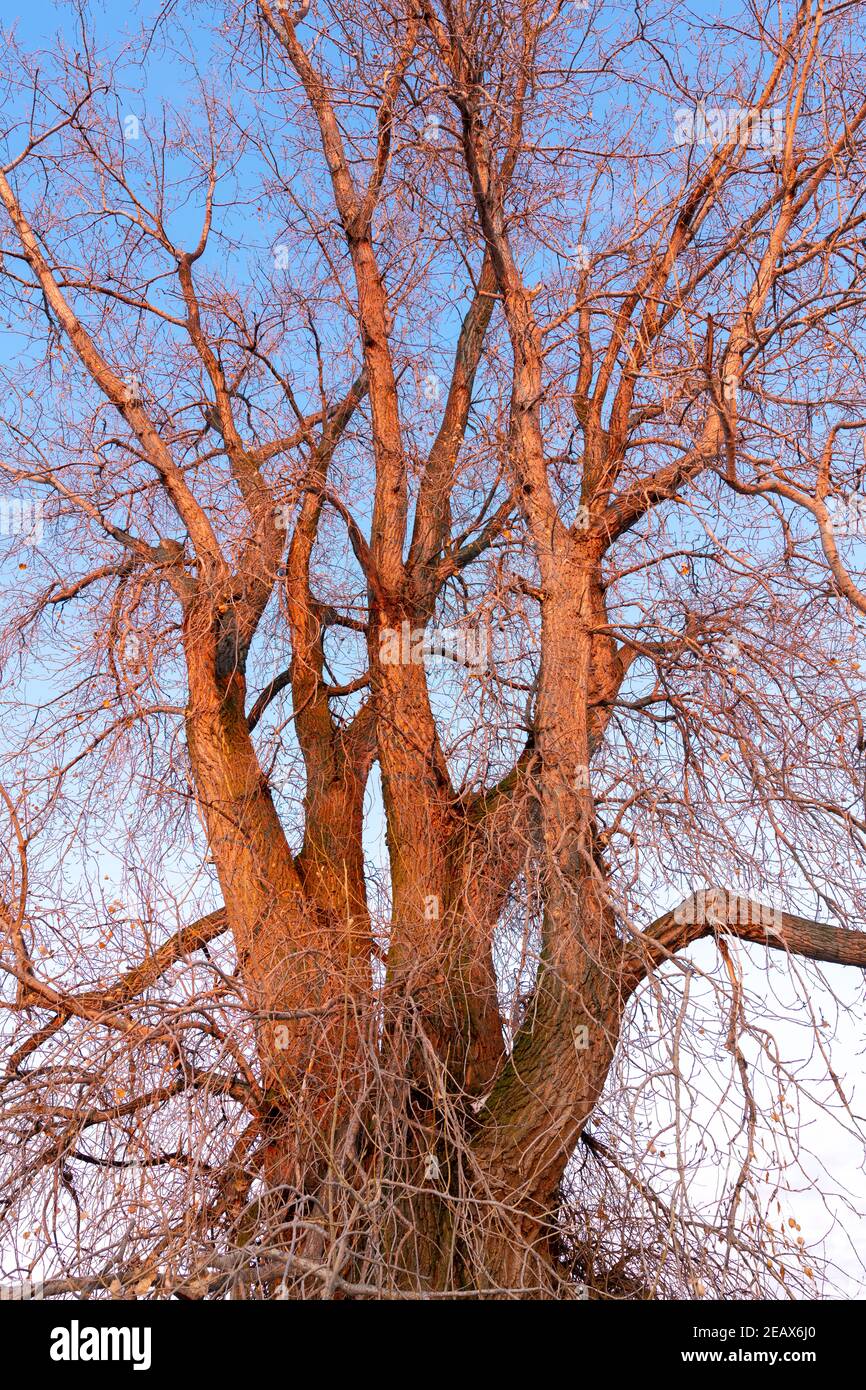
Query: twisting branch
x,y
715,910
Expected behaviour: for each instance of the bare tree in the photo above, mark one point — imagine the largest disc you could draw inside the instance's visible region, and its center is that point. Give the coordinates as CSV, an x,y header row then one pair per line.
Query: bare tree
x,y
446,422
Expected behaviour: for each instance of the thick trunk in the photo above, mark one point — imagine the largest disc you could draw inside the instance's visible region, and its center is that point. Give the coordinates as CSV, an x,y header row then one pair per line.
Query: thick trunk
x,y
267,911
563,1049
300,927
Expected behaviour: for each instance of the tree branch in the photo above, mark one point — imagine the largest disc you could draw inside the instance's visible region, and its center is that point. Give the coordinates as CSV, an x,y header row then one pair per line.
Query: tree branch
x,y
716,910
